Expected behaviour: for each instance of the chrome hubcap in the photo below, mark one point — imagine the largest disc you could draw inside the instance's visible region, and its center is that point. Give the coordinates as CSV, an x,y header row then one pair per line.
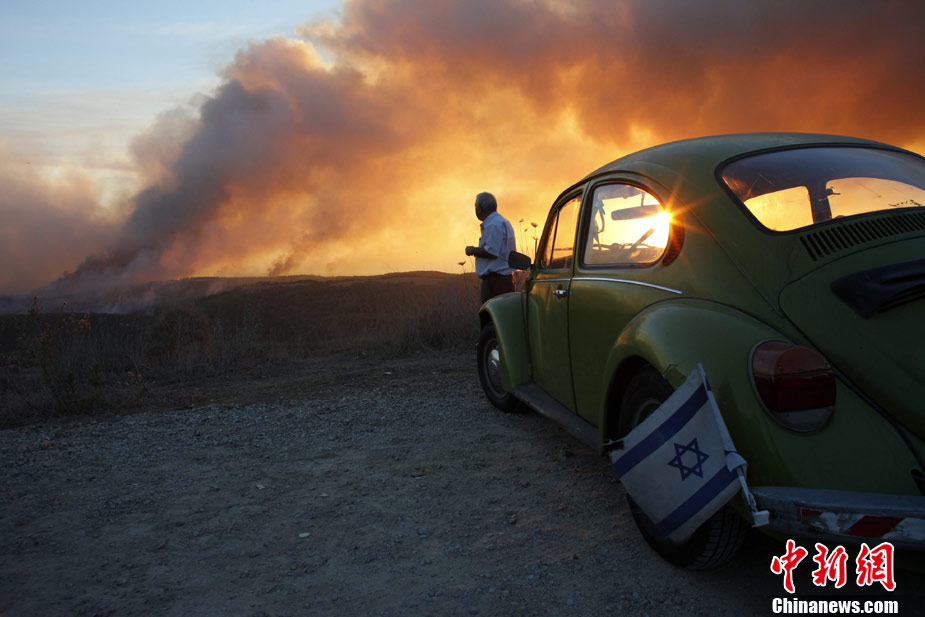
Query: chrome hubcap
x,y
493,369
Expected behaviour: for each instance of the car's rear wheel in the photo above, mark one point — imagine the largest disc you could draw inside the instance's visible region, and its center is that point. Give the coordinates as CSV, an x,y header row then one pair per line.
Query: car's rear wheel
x,y
489,365
715,542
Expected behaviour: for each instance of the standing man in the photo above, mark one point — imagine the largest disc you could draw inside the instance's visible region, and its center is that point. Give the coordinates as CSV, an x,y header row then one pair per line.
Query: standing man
x,y
494,247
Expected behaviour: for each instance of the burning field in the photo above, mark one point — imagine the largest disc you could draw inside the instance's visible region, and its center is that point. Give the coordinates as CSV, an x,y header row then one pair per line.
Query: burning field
x,y
56,362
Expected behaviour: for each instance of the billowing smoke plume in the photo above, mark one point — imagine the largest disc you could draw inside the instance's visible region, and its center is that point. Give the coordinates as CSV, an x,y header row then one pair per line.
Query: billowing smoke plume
x,y
359,148
46,224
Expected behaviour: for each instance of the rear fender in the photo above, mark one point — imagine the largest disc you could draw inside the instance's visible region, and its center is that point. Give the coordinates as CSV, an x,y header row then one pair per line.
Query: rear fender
x,y
674,336
506,312
855,450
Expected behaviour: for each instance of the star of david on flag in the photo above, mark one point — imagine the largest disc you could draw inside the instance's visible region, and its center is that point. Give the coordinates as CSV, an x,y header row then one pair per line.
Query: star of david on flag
x,y
678,461
680,465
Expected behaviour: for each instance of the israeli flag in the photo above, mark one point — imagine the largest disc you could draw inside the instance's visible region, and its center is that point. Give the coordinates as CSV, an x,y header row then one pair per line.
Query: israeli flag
x,y
680,465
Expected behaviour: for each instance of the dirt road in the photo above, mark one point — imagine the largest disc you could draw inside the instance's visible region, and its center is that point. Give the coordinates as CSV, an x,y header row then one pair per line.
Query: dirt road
x,y
350,488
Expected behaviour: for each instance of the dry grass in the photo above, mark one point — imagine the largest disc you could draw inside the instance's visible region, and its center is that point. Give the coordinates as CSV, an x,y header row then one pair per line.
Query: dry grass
x,y
63,364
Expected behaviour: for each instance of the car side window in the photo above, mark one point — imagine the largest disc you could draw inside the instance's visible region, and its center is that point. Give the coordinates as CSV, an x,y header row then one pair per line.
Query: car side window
x,y
559,245
628,227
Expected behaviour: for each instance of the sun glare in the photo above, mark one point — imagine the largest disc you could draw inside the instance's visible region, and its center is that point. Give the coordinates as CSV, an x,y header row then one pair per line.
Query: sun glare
x,y
661,222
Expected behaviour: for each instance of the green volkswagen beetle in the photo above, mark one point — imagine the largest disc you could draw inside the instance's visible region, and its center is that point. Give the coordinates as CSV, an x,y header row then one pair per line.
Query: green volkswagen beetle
x,y
790,267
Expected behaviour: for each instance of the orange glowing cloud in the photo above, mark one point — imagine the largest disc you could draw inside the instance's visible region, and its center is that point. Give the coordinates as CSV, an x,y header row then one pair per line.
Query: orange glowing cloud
x,y
359,148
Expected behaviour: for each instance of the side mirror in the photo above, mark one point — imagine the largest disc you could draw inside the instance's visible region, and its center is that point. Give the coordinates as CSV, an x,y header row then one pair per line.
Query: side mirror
x,y
519,261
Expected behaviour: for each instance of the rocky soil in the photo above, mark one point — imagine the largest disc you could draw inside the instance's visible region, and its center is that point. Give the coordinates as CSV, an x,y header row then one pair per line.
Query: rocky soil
x,y
348,487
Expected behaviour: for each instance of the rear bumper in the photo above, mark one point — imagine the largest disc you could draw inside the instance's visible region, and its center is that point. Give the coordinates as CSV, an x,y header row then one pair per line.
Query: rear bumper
x,y
844,516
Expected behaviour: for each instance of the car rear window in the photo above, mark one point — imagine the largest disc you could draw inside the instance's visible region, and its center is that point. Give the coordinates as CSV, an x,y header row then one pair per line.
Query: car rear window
x,y
791,189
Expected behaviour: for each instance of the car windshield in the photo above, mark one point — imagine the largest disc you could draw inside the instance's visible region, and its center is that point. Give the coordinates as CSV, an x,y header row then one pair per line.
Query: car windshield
x,y
797,188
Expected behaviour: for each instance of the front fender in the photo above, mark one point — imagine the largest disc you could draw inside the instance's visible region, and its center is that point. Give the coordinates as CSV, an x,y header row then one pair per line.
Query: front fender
x,y
506,312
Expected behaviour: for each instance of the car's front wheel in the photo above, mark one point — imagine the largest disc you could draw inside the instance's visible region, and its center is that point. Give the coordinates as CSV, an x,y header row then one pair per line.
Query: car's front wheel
x,y
489,365
715,542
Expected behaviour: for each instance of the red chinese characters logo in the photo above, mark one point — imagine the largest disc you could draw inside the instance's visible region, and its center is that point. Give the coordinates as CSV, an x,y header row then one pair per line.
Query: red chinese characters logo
x,y
788,562
832,567
874,565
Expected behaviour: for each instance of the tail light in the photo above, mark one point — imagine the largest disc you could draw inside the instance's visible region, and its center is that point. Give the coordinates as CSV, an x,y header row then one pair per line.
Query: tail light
x,y
796,384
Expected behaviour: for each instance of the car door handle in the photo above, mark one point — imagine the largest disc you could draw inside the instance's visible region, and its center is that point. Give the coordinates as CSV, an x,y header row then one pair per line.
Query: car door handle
x,y
561,293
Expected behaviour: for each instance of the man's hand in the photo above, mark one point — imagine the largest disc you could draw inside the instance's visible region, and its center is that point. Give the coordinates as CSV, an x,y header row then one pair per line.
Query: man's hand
x,y
479,252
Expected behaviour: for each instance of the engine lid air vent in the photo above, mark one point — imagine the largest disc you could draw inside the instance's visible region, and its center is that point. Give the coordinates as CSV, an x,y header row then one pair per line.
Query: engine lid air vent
x,y
880,289
843,236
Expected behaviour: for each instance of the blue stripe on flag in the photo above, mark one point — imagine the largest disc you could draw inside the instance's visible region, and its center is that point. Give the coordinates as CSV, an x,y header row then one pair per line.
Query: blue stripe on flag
x,y
696,502
663,433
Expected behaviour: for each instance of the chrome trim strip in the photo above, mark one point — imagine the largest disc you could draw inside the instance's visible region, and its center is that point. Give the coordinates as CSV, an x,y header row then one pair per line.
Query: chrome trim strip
x,y
628,282
551,280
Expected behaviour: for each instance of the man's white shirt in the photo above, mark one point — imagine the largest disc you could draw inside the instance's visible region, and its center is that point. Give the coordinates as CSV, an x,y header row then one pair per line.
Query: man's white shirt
x,y
498,239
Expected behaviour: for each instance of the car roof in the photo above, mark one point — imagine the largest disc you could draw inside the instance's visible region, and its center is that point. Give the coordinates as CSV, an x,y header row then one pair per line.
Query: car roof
x,y
705,153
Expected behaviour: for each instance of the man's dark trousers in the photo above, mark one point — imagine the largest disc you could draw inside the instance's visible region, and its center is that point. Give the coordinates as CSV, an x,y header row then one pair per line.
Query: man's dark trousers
x,y
495,284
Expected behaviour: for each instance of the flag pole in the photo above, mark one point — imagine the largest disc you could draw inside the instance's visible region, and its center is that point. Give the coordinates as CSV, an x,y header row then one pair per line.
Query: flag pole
x,y
734,460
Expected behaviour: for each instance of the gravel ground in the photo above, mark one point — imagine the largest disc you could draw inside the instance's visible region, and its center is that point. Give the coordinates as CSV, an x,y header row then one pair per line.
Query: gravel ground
x,y
351,489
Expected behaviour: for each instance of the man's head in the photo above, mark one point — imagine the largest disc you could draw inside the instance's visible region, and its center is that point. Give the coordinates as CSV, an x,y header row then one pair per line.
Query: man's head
x,y
485,204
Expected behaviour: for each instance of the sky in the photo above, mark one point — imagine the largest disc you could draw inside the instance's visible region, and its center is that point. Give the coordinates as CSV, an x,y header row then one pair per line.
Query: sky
x,y
79,79
219,139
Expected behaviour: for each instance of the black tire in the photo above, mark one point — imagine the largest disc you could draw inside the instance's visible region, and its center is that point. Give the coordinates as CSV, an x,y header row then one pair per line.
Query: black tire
x,y
719,539
489,354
